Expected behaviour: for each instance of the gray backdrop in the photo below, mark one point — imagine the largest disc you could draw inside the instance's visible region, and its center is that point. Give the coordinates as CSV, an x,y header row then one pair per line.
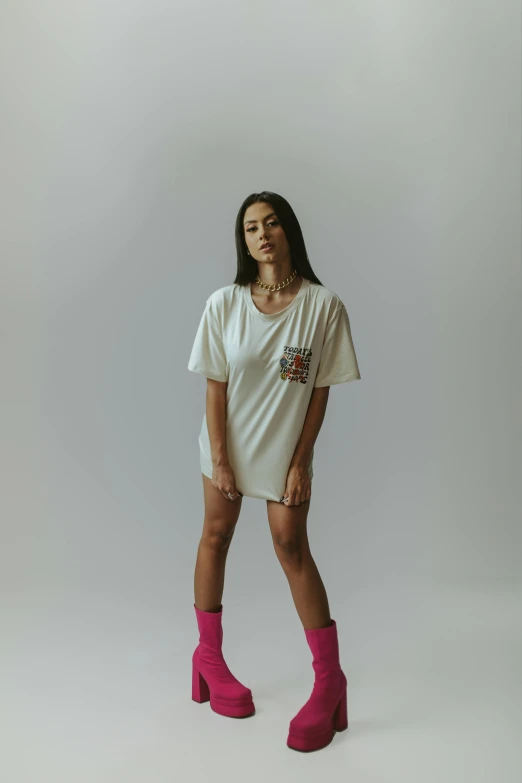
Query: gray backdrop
x,y
131,133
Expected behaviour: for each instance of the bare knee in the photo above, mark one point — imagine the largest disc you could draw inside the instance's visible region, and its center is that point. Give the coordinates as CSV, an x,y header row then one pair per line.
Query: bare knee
x,y
291,551
217,539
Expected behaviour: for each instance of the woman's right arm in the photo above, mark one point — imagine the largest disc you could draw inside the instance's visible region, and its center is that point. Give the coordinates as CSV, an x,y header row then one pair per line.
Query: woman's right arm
x,y
216,410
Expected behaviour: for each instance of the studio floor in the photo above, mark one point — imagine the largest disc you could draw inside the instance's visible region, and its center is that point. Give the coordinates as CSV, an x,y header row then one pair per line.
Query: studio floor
x,y
96,689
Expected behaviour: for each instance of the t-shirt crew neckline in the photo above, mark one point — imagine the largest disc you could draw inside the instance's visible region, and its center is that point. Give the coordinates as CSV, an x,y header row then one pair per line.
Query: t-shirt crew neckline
x,y
281,313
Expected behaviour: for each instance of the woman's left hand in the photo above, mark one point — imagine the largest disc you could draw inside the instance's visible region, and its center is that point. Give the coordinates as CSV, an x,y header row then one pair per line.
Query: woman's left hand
x,y
298,486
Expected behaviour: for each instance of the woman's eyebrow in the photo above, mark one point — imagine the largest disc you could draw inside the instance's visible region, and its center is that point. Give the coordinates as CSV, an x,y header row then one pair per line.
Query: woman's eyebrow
x,y
255,221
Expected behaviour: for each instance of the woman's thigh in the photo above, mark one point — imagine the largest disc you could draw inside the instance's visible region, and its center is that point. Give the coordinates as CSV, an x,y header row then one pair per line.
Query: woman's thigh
x,y
288,524
221,514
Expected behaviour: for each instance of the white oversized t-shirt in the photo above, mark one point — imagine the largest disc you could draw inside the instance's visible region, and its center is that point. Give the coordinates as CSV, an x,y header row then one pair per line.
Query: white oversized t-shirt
x,y
271,363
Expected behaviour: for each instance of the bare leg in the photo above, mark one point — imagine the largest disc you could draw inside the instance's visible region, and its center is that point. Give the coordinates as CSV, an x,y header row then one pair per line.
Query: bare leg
x,y
221,516
290,538
309,593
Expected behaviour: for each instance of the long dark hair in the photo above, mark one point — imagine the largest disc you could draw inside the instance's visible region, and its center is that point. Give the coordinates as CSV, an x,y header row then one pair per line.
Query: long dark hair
x,y
246,265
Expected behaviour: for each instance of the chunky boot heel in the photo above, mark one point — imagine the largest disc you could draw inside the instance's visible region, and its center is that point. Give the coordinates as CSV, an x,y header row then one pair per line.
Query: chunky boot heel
x,y
200,691
212,680
341,713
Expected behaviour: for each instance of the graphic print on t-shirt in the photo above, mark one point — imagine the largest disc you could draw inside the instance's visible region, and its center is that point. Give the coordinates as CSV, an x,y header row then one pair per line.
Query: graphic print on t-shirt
x,y
295,364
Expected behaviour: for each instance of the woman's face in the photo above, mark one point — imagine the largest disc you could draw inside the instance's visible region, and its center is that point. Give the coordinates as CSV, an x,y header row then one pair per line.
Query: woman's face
x,y
261,225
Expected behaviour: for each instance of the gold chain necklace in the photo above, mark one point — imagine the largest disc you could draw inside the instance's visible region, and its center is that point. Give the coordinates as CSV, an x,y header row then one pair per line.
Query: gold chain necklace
x,y
277,286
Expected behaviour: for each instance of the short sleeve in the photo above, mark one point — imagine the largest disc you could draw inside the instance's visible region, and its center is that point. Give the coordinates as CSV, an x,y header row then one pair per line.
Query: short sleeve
x,y
208,355
338,362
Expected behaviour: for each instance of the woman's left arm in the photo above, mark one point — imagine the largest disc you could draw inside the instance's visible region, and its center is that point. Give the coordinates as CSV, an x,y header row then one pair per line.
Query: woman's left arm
x,y
312,424
298,484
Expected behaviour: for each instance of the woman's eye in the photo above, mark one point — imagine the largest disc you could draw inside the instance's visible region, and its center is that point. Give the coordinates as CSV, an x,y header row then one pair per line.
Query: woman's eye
x,y
272,223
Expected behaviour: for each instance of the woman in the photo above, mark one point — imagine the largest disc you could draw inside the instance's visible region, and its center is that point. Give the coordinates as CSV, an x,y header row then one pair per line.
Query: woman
x,y
270,345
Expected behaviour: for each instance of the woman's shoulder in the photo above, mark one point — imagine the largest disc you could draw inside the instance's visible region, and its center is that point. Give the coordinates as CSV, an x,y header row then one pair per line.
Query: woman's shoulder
x,y
328,299
223,301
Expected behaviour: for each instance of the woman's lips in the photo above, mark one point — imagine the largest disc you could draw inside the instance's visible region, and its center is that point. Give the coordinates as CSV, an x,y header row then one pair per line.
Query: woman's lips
x,y
267,248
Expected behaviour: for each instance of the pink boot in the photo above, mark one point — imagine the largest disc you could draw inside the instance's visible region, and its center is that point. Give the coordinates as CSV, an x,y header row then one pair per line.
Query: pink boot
x,y
326,710
212,680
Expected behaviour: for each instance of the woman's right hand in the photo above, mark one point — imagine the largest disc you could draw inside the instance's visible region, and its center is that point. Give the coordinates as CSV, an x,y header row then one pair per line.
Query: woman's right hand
x,y
224,480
